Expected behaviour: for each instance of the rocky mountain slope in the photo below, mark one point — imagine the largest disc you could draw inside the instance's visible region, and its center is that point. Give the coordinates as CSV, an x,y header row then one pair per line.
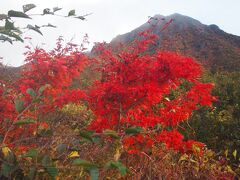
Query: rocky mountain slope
x,y
210,45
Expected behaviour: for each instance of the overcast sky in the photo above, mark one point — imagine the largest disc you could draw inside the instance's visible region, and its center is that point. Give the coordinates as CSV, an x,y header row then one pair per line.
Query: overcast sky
x,y
110,18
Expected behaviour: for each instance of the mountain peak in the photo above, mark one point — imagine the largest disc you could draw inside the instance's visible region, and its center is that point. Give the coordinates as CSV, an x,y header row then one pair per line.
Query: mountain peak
x,y
181,20
207,43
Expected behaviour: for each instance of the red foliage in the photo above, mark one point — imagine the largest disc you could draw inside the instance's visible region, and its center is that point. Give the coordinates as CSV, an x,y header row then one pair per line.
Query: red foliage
x,y
134,89
135,144
55,70
173,139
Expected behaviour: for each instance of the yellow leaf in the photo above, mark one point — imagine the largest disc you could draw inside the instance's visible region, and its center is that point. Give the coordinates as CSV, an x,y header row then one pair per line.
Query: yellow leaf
x,y
166,98
196,148
73,154
117,154
235,154
229,169
226,153
193,161
184,157
5,151
209,153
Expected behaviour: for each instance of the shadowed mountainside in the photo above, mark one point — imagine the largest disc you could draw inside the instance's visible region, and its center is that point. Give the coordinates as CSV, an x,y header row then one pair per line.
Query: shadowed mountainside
x,y
210,45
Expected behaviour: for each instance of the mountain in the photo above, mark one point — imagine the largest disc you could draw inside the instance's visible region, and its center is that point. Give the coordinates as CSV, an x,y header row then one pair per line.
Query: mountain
x,y
8,73
210,45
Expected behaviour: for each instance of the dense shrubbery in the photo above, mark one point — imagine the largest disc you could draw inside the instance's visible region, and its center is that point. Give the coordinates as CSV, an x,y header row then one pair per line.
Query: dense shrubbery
x,y
219,127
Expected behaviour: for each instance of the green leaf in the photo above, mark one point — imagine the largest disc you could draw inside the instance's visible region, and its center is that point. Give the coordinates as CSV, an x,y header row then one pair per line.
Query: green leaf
x,y
28,7
25,121
87,135
31,92
133,130
17,37
88,166
6,169
117,165
94,173
31,153
56,9
19,105
97,139
49,25
72,13
83,163
18,14
61,148
32,173
111,133
47,11
52,171
37,100
5,38
12,34
34,28
43,88
9,25
46,161
81,17
49,166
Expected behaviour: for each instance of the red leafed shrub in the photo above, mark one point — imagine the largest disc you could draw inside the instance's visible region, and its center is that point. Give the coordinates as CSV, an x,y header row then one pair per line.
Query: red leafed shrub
x,y
44,86
135,90
57,69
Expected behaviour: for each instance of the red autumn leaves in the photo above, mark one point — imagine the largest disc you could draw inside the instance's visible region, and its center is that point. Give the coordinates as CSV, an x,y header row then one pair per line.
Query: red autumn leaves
x,y
133,92
44,86
135,89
